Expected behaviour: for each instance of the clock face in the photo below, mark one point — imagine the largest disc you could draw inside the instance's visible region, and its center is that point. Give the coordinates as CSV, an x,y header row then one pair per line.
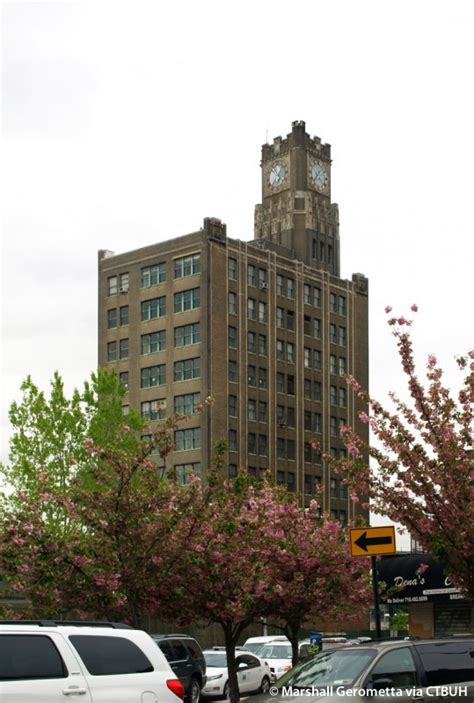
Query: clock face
x,y
277,174
319,175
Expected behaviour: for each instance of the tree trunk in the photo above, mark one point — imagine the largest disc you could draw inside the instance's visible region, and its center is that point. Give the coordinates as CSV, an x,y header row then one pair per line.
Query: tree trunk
x,y
292,630
230,642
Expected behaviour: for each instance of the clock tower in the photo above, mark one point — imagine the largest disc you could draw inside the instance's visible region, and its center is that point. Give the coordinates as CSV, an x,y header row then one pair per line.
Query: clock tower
x,y
296,210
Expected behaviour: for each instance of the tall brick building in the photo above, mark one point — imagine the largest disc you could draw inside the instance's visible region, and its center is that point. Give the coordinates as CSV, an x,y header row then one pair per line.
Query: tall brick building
x,y
267,327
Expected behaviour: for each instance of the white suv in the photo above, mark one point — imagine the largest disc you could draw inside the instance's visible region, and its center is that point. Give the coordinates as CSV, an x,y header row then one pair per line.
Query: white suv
x,y
50,661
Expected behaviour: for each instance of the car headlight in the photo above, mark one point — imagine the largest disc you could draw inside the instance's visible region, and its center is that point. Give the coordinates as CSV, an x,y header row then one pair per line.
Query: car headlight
x,y
281,669
213,678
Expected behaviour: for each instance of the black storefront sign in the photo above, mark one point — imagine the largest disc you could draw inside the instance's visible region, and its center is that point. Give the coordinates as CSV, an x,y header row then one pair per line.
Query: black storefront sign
x,y
408,583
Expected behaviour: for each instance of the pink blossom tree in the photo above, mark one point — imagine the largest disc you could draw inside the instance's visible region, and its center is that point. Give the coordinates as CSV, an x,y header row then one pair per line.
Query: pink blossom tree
x,y
421,473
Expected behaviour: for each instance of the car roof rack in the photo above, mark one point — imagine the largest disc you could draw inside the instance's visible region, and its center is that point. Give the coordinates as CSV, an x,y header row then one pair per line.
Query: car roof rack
x,y
172,634
73,623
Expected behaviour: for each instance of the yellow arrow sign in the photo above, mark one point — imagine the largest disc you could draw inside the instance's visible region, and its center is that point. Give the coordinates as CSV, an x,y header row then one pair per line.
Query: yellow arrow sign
x,y
370,541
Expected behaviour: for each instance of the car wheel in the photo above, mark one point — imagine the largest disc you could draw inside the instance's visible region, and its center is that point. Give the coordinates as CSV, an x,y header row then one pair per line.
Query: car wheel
x,y
226,690
265,685
194,691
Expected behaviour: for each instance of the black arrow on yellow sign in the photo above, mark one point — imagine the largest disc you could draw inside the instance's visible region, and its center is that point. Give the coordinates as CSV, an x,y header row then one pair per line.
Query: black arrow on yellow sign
x,y
363,541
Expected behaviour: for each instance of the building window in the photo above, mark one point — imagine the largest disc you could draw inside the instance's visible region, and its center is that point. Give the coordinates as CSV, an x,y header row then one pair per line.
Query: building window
x,y
290,287
342,336
280,478
290,416
290,385
342,366
153,376
307,325
280,318
185,471
232,470
251,309
307,294
252,375
251,342
153,342
187,439
124,283
332,363
307,358
187,404
187,300
342,397
290,353
252,470
307,387
125,409
154,409
123,348
232,371
252,442
317,297
232,406
187,266
112,351
152,309
233,440
112,285
333,333
232,303
280,415
280,448
262,311
232,337
262,278
262,445
280,349
232,269
333,430
186,335
341,422
308,417
290,448
333,395
262,377
342,491
124,315
152,275
332,302
317,360
333,488
187,369
317,423
317,391
342,305
290,481
316,328
290,319
251,275
262,411
123,377
308,483
280,382
280,282
262,345
112,318
252,409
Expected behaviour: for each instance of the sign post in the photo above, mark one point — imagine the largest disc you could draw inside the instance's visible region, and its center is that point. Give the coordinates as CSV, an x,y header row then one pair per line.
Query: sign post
x,y
370,542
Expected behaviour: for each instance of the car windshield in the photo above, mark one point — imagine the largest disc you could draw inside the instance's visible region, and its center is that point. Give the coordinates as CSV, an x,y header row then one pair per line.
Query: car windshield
x,y
338,667
275,651
253,646
215,659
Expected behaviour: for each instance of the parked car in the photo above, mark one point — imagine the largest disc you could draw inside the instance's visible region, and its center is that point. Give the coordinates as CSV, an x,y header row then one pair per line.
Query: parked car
x,y
279,655
253,674
186,658
254,643
49,661
437,670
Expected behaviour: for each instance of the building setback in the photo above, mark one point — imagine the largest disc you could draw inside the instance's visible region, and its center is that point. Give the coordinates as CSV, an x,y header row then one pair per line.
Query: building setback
x,y
267,327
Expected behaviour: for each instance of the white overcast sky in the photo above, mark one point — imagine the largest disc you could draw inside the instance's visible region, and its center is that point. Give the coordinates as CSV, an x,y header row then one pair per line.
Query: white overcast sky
x,y
127,123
